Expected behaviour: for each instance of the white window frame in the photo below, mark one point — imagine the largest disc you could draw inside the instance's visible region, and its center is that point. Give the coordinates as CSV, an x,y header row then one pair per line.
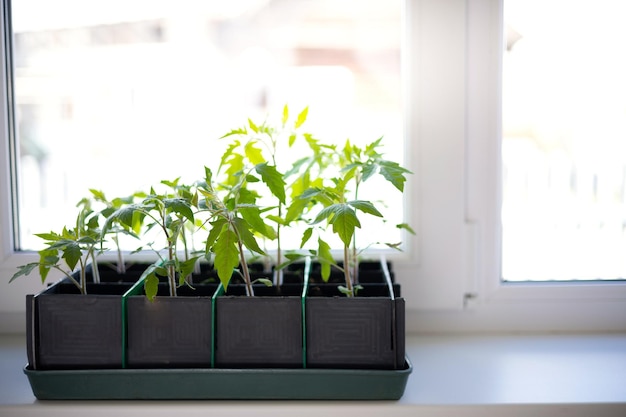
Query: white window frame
x,y
450,271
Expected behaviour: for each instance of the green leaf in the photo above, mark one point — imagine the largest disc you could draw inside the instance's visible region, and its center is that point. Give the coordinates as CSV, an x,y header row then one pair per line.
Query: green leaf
x,y
326,213
72,254
345,291
254,154
235,166
349,293
368,170
254,127
306,236
171,184
344,222
273,179
49,237
325,257
179,206
264,281
405,226
97,194
151,282
216,229
296,209
277,219
226,255
285,115
343,218
394,173
252,215
241,131
44,269
48,257
302,117
251,178
246,236
125,215
24,270
187,267
395,246
365,207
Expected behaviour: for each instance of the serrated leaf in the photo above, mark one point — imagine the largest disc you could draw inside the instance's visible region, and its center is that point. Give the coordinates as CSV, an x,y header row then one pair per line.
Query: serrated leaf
x,y
370,149
179,206
326,213
216,229
252,216
343,219
187,267
306,236
72,254
368,170
24,270
296,209
171,184
93,223
246,236
124,215
241,131
344,223
273,179
98,195
235,166
48,257
365,207
253,153
50,237
226,255
253,126
394,173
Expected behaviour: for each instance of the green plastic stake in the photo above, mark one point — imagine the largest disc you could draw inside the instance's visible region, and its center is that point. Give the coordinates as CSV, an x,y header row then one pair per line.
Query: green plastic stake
x,y
136,289
305,289
219,292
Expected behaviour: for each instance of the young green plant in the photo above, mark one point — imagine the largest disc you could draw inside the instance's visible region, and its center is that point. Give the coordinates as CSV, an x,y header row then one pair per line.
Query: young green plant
x,y
70,249
233,221
341,204
259,145
110,206
167,213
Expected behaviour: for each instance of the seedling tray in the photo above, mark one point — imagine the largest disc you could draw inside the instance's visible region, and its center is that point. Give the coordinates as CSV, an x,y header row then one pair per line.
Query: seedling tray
x,y
219,384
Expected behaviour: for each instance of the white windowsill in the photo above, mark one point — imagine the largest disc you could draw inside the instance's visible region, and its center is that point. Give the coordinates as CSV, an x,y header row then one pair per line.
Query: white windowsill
x,y
453,375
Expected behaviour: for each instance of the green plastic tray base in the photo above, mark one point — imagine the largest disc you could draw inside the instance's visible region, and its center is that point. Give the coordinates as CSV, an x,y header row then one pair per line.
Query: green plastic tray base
x,y
219,384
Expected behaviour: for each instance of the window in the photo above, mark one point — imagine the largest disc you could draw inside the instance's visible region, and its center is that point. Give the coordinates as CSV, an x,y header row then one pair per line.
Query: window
x,y
451,272
564,127
101,92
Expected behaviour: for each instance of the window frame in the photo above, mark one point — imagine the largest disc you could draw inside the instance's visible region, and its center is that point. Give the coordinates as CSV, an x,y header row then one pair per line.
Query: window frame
x,y
450,271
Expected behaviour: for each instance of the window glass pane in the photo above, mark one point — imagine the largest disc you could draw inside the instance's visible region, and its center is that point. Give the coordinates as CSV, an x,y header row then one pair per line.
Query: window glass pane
x,y
119,95
564,140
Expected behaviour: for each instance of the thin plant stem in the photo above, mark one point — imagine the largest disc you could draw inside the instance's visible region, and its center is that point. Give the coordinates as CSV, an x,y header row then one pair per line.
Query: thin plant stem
x,y
346,271
246,272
